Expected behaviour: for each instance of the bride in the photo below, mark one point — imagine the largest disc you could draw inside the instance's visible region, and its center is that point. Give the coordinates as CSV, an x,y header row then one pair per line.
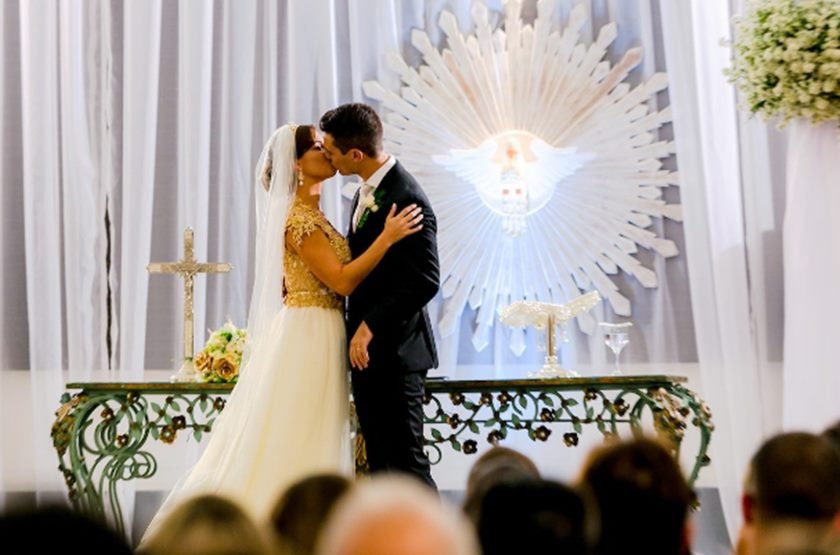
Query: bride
x,y
288,415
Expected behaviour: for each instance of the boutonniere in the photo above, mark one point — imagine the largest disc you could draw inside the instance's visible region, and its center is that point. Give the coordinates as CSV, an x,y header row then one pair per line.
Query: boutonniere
x,y
371,200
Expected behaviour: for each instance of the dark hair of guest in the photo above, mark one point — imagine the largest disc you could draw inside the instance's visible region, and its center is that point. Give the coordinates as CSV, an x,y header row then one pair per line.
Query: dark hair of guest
x,y
498,465
535,516
642,496
51,529
795,475
300,513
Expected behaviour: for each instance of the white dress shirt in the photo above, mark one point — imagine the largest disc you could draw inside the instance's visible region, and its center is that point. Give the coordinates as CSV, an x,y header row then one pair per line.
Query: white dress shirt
x,y
369,186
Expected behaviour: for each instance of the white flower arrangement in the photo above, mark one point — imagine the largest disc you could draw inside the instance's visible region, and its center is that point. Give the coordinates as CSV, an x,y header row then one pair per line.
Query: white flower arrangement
x,y
221,357
369,202
787,59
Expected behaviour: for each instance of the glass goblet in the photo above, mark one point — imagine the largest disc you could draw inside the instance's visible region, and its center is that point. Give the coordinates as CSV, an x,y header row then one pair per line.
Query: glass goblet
x,y
616,337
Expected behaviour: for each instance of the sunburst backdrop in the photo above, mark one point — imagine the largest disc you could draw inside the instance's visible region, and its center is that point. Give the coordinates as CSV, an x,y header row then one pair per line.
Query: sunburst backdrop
x,y
542,165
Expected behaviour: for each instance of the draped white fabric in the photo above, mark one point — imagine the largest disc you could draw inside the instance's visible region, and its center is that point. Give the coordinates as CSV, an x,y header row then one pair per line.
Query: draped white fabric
x,y
812,262
156,111
706,130
141,70
39,107
195,55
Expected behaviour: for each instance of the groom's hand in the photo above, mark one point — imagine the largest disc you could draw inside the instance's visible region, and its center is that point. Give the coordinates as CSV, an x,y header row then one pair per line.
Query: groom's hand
x,y
359,357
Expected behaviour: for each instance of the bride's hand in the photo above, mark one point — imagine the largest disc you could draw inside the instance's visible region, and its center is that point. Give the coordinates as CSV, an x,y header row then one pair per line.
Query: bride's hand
x,y
399,226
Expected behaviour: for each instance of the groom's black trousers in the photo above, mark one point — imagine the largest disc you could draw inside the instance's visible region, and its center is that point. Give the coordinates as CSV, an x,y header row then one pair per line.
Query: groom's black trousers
x,y
389,404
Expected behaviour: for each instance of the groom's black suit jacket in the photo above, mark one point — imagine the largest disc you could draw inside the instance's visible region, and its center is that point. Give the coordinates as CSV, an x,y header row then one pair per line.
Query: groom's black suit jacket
x,y
392,299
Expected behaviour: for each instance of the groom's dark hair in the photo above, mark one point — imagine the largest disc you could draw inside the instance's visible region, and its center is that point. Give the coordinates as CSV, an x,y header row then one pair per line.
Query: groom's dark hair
x,y
354,125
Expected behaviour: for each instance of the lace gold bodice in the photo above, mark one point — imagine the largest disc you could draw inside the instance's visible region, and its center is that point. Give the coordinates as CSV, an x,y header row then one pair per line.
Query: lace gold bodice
x,y
300,286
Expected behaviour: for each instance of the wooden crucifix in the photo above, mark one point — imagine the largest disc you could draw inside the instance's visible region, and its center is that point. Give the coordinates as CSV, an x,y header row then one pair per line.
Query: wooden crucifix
x,y
187,268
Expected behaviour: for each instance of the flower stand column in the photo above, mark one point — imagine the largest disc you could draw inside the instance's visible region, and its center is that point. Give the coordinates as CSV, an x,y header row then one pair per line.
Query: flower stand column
x,y
786,65
812,277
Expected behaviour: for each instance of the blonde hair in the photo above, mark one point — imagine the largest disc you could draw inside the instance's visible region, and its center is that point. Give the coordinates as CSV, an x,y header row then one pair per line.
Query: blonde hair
x,y
383,496
208,524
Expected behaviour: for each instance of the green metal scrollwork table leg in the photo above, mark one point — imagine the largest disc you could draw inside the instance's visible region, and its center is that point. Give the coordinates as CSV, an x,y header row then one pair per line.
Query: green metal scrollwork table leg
x,y
100,440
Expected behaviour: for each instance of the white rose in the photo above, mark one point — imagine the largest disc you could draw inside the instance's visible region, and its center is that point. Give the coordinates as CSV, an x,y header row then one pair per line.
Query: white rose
x,y
368,201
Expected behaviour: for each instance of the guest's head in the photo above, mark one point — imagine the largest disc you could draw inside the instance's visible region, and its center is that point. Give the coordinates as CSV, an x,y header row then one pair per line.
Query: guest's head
x,y
642,497
498,465
791,495
535,516
299,515
352,137
51,529
395,515
207,524
793,476
832,433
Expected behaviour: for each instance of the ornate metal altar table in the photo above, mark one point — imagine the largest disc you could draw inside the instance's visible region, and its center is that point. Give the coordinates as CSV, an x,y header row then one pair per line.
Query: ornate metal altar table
x,y
101,431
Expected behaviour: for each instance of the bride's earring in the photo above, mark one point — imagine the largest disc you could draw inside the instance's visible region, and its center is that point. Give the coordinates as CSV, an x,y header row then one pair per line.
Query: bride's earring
x,y
300,177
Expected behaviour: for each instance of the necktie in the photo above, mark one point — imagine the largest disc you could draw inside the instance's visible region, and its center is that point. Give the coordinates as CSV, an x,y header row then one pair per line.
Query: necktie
x,y
360,206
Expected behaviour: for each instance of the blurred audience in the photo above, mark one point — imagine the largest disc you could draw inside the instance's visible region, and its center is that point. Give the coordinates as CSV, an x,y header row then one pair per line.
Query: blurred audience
x,y
301,512
642,497
632,498
396,515
791,501
535,516
58,529
207,525
496,466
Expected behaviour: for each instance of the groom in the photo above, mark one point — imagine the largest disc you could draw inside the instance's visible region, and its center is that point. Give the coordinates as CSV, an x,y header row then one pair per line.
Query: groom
x,y
391,345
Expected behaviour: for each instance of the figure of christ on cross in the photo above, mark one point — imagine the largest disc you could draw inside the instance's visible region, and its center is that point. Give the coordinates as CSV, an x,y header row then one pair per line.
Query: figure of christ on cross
x,y
187,268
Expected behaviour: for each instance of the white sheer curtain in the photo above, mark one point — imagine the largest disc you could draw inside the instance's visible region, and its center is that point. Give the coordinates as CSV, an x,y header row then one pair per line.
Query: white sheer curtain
x,y
39,104
155,112
732,229
141,30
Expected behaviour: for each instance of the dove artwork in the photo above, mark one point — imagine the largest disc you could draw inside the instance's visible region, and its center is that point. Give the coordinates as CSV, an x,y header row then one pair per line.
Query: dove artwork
x,y
514,173
543,165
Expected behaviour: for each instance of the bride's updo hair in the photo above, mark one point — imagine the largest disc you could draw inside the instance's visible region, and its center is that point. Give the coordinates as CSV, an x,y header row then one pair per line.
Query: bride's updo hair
x,y
304,139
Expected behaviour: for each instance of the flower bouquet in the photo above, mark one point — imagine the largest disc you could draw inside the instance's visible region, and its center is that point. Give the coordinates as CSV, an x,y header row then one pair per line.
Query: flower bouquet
x,y
219,360
786,59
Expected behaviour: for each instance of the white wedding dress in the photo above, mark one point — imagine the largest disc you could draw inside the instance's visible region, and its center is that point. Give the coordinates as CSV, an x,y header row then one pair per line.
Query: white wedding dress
x,y
288,416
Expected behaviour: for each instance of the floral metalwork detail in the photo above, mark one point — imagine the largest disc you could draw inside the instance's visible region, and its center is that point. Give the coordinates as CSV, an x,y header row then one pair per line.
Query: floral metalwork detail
x,y
540,407
99,437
